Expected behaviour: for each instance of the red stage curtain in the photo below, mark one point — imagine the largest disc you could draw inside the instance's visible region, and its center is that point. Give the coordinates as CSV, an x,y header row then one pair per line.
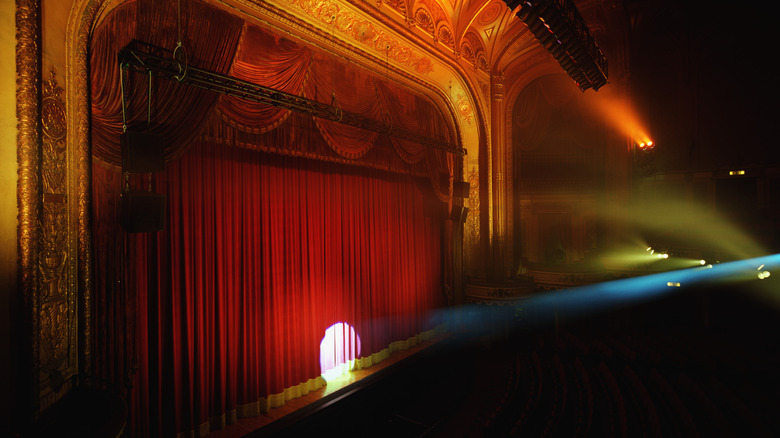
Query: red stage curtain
x,y
259,256
210,38
351,90
266,59
221,315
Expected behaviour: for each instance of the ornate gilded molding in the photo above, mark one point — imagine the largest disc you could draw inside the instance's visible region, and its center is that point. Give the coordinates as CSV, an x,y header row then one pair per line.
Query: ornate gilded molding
x,y
28,191
337,17
48,300
497,81
57,294
472,235
53,231
83,17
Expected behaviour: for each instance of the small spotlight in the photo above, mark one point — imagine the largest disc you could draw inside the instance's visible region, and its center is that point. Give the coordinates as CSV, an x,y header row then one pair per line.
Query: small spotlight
x,y
702,262
672,284
760,267
763,275
736,172
649,143
663,256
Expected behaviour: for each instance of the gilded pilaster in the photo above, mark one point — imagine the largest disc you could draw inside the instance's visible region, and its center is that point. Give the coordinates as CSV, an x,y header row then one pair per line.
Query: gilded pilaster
x,y
46,246
499,176
56,290
82,18
28,54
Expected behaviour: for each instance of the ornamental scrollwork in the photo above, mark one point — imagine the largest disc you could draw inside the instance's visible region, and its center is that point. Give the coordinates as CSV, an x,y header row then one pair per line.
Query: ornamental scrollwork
x,y
56,301
471,230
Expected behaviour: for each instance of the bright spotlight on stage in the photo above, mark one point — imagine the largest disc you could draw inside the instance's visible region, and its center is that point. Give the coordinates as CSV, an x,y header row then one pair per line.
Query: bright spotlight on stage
x,y
339,349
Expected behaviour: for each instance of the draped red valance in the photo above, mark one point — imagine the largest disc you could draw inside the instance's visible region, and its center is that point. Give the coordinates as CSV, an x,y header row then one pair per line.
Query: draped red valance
x,y
284,68
174,109
215,40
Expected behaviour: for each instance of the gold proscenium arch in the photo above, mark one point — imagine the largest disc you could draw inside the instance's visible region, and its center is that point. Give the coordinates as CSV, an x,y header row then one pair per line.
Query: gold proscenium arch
x,y
53,140
54,230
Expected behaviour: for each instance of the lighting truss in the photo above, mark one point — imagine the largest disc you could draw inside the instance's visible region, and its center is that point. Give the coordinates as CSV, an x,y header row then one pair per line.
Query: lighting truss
x,y
558,25
146,58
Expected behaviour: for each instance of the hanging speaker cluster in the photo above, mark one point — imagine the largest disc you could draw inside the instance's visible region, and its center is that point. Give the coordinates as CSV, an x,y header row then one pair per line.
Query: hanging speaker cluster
x,y
461,189
560,28
141,211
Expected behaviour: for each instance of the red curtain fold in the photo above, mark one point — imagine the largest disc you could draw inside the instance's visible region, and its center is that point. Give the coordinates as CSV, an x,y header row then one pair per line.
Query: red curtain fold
x,y
210,38
401,109
259,256
351,90
271,61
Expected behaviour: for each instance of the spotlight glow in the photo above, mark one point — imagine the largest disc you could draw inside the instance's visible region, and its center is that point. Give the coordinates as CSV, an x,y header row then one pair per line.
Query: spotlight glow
x,y
645,144
620,113
338,350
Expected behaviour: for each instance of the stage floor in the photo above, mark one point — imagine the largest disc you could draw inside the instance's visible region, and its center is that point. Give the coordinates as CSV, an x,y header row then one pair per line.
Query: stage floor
x,y
296,408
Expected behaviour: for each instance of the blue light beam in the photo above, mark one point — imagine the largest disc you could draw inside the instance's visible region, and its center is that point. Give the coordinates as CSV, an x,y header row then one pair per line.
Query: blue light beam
x,y
601,297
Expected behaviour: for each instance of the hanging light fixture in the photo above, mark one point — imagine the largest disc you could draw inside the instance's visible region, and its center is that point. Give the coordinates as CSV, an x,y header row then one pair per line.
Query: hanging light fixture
x,y
559,27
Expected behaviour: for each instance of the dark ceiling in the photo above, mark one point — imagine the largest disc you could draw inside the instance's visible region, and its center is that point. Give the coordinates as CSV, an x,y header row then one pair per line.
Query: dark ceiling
x,y
704,72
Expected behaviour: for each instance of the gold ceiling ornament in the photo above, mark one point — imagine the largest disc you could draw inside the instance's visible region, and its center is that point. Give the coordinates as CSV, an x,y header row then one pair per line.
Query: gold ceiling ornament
x,y
445,36
396,5
363,31
473,51
491,13
423,19
464,108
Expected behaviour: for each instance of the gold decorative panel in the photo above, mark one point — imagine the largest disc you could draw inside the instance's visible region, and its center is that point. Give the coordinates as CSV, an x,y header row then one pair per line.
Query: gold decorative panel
x,y
57,300
335,16
471,229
